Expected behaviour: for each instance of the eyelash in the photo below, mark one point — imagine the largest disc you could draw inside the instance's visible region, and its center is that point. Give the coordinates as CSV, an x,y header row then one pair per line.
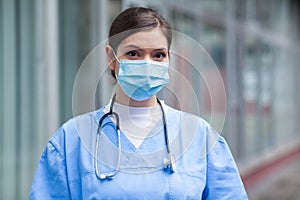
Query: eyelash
x,y
161,53
131,52
137,54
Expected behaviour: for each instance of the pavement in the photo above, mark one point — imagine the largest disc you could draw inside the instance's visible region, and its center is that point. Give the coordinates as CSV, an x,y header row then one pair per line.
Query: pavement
x,y
284,184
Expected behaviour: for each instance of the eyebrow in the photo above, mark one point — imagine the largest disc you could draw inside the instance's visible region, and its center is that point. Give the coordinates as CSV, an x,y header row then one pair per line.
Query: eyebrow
x,y
132,46
139,48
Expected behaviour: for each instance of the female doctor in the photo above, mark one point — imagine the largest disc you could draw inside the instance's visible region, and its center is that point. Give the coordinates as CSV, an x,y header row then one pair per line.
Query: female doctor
x,y
137,147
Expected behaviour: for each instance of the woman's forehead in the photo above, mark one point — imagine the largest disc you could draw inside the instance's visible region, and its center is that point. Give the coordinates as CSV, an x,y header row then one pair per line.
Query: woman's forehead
x,y
151,39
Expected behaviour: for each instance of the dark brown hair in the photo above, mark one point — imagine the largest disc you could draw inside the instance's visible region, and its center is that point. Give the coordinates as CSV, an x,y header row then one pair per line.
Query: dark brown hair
x,y
133,20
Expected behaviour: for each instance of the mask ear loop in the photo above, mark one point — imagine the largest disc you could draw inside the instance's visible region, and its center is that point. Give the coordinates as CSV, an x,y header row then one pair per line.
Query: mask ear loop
x,y
116,58
115,55
169,54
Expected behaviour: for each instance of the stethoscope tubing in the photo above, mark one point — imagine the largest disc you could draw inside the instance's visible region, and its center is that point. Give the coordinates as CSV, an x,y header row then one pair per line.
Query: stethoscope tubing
x,y
169,163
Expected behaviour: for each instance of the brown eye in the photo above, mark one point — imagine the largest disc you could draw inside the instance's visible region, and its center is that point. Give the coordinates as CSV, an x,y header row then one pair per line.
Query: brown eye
x,y
160,55
132,54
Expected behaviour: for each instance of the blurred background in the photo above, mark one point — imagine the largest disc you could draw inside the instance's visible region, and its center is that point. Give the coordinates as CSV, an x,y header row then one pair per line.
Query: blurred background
x,y
254,43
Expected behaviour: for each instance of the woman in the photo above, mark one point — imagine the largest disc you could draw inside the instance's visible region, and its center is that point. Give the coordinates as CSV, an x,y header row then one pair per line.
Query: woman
x,y
144,149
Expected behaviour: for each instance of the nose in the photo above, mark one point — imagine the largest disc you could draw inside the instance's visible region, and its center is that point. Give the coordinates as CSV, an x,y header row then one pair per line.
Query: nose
x,y
147,57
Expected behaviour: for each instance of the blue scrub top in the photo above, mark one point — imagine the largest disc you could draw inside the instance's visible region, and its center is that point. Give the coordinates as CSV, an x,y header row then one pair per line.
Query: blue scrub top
x,y
205,168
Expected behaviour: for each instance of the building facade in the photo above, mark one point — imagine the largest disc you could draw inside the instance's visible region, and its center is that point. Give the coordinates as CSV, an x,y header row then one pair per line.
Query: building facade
x,y
254,44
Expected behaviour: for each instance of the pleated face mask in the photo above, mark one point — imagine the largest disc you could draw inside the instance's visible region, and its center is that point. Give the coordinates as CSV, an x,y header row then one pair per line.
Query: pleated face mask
x,y
142,79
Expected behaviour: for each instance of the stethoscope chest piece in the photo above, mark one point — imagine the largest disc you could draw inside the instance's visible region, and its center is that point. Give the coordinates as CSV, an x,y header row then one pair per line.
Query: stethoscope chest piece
x,y
170,163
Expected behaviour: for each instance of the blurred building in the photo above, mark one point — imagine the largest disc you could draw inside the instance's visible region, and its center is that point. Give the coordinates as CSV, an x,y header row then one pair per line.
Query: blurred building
x,y
255,44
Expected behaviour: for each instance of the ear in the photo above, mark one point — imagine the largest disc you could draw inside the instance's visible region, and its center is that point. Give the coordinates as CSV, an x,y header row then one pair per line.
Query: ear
x,y
110,57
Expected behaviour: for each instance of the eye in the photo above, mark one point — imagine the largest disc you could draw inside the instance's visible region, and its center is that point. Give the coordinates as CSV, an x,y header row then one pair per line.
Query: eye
x,y
159,55
132,54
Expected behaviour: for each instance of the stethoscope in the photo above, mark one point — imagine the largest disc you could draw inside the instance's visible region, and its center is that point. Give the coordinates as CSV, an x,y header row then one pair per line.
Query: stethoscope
x,y
168,163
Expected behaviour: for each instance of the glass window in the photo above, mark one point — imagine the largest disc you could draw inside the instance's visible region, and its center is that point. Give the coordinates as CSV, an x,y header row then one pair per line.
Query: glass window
x,y
257,94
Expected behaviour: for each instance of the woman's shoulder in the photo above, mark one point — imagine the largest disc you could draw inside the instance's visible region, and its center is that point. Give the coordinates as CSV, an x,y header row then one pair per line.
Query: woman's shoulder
x,y
185,116
191,123
77,127
84,119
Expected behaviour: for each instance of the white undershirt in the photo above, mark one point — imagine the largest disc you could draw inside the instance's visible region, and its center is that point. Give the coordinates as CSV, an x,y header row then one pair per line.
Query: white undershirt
x,y
136,122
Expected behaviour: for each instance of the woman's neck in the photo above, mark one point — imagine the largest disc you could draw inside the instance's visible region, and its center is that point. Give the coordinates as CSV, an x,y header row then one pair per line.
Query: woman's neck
x,y
122,98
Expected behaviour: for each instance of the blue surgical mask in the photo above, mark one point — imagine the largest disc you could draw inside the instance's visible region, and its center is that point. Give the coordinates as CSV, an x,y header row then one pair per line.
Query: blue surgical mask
x,y
142,79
